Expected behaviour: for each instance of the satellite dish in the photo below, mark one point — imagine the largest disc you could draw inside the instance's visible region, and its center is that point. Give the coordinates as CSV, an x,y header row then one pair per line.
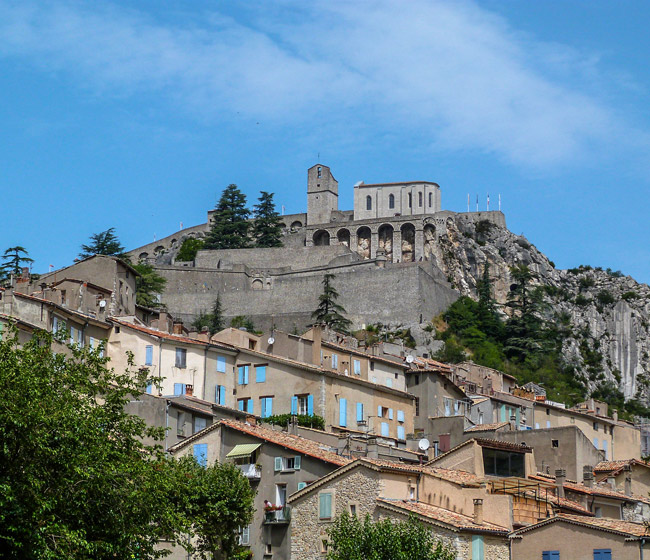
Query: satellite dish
x,y
102,303
409,359
271,340
424,444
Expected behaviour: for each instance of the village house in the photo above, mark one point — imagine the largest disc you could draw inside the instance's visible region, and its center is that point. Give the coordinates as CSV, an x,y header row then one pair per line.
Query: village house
x,y
621,474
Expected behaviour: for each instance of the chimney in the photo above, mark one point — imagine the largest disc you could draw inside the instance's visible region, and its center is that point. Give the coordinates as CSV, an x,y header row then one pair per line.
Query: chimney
x,y
445,443
513,423
588,476
178,327
342,447
204,335
292,428
161,324
628,480
373,448
316,345
189,390
615,415
478,511
560,477
380,259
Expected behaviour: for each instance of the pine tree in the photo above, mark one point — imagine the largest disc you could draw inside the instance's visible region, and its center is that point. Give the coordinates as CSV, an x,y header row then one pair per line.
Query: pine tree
x,y
213,320
103,243
329,312
14,259
267,230
230,226
488,319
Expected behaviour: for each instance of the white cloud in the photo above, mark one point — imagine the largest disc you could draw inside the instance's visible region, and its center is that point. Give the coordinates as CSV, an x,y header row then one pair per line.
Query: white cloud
x,y
447,71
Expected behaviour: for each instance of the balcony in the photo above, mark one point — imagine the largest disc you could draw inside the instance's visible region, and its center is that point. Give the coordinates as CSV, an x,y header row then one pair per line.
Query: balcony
x,y
251,471
278,517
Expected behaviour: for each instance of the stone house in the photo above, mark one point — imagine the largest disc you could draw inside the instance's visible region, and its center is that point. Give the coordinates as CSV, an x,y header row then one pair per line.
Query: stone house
x,y
630,473
482,380
384,489
276,463
575,537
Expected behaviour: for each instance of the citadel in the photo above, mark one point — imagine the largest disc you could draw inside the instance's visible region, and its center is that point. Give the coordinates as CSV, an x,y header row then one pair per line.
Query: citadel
x,y
386,250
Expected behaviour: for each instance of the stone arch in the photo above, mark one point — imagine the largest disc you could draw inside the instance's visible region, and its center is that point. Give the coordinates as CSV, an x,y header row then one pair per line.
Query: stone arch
x,y
143,256
296,225
364,242
258,284
429,241
408,242
283,225
174,241
386,240
321,237
343,236
158,250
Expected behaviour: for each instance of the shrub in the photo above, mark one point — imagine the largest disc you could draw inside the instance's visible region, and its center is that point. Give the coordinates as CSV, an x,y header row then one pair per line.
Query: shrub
x,y
581,300
605,297
188,249
306,420
627,296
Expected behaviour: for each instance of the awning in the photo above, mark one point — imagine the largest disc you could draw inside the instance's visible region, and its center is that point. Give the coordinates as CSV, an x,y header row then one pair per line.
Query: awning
x,y
243,450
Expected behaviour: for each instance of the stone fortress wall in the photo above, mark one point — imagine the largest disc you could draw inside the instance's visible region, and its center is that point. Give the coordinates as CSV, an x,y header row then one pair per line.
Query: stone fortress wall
x,y
382,256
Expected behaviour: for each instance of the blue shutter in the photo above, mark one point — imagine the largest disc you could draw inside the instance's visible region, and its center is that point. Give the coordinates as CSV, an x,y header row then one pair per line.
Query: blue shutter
x,y
603,554
503,413
245,375
222,395
325,505
260,374
384,429
400,416
294,405
379,410
201,454
148,357
240,375
269,406
477,547
390,413
400,432
179,389
310,405
551,555
221,364
343,412
249,408
149,389
359,412
240,404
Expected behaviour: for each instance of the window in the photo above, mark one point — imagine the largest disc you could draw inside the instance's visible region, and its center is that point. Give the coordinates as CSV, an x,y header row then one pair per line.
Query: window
x,y
324,546
359,412
548,412
335,361
390,413
400,416
325,505
551,555
420,199
430,200
343,412
242,376
602,554
268,549
410,200
199,424
417,406
245,405
356,364
221,364
353,509
181,357
260,374
391,201
595,426
292,463
301,485
63,297
179,389
302,404
385,431
266,407
245,535
148,355
555,443
368,202
372,365
200,451
598,512
389,382
149,388
401,432
503,463
220,395
320,171
548,423
477,547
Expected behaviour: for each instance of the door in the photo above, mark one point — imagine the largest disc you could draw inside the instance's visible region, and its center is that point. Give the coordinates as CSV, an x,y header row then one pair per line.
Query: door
x,y
280,499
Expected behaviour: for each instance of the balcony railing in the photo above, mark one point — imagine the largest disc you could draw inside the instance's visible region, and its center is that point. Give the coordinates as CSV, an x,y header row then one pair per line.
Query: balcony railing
x,y
278,517
251,471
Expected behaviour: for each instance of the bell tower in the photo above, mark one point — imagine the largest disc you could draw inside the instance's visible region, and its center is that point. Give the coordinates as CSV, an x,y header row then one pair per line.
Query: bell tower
x,y
322,195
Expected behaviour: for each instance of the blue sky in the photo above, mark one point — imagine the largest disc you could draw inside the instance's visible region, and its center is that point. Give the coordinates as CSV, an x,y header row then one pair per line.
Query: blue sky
x,y
135,115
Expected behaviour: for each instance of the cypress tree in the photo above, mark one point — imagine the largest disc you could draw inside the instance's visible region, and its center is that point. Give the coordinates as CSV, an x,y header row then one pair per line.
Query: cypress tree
x,y
267,231
230,226
329,312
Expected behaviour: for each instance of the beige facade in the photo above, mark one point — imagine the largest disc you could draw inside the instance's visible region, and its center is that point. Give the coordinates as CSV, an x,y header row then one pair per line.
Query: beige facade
x,y
386,200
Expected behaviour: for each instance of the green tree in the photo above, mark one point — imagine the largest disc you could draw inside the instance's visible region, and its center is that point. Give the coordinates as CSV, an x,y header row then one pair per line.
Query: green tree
x,y
213,320
230,225
189,249
329,312
149,285
267,230
103,243
489,320
77,481
352,538
14,260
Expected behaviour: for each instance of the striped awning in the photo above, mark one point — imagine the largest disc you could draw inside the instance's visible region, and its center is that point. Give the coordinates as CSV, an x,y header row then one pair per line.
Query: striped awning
x,y
243,450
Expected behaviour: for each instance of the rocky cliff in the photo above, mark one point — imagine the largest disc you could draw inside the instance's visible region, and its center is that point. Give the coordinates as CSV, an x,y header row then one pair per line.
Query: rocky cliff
x,y
608,314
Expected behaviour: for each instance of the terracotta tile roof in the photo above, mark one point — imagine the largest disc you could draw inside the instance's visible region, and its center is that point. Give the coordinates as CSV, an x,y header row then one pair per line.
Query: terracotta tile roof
x,y
290,441
167,336
397,362
505,445
462,478
456,520
594,490
624,528
615,467
487,427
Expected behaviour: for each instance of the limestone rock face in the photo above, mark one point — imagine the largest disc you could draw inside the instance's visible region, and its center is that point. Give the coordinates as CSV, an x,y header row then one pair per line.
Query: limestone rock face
x,y
609,312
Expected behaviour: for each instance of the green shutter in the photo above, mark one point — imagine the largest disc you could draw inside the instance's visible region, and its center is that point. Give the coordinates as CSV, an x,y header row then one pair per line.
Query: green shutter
x,y
278,463
296,463
325,505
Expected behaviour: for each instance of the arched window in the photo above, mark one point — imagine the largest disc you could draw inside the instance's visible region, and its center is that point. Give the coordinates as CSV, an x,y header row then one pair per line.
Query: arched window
x,y
430,200
410,200
368,202
420,199
320,172
391,201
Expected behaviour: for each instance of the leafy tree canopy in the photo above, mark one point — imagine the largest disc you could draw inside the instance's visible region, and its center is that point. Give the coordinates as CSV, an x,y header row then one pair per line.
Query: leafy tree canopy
x,y
103,243
213,320
14,260
352,538
189,249
77,480
329,312
149,285
230,226
267,230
